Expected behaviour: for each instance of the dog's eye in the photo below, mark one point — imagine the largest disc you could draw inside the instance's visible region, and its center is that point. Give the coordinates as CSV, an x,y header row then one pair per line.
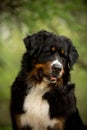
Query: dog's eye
x,y
62,52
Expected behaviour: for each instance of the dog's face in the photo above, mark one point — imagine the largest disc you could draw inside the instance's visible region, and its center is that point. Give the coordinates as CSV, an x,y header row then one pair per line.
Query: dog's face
x,y
50,56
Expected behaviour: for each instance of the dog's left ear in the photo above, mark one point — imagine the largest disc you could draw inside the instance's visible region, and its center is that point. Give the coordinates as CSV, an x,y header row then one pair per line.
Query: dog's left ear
x,y
73,54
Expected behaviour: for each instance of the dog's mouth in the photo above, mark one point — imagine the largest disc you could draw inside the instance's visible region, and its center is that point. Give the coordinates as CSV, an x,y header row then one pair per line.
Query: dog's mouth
x,y
53,77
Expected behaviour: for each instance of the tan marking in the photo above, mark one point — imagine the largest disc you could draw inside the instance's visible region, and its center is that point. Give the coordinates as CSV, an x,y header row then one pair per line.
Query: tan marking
x,y
62,72
59,125
18,122
38,66
59,82
53,49
34,73
62,51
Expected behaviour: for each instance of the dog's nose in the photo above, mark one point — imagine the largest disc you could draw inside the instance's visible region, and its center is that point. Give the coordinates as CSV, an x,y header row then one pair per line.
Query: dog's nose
x,y
56,68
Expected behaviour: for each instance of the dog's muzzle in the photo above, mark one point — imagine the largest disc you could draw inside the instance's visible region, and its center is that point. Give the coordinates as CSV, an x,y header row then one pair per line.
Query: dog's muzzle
x,y
56,70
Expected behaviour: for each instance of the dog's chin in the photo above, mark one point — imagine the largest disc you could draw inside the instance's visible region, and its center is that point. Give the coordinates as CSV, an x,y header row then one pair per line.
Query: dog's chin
x,y
52,79
49,80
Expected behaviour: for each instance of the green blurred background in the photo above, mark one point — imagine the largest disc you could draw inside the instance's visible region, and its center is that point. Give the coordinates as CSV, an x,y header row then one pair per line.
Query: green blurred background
x,y
21,17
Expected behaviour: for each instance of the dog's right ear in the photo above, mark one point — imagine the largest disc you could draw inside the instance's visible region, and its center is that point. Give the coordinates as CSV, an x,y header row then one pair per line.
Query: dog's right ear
x,y
30,47
33,44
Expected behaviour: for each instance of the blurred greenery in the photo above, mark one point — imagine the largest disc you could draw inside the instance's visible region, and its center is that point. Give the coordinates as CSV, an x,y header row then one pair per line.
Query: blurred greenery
x,y
19,18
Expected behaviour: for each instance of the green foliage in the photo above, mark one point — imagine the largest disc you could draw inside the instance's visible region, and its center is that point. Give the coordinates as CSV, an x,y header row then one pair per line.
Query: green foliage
x,y
6,128
17,18
80,79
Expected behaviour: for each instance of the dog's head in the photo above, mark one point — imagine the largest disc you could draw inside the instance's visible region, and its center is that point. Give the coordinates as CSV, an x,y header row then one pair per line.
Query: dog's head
x,y
49,55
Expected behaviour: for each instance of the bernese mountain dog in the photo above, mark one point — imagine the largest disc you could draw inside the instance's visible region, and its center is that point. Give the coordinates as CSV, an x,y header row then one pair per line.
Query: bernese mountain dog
x,y
42,95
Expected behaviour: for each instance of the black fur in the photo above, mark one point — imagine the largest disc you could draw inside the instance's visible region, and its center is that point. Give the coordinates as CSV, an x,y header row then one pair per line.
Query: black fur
x,y
60,97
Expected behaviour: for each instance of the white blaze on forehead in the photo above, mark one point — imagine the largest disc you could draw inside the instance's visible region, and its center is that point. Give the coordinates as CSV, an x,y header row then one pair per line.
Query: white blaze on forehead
x,y
57,62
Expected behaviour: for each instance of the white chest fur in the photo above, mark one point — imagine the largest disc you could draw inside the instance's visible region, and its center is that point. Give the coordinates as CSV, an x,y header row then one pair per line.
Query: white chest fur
x,y
37,109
